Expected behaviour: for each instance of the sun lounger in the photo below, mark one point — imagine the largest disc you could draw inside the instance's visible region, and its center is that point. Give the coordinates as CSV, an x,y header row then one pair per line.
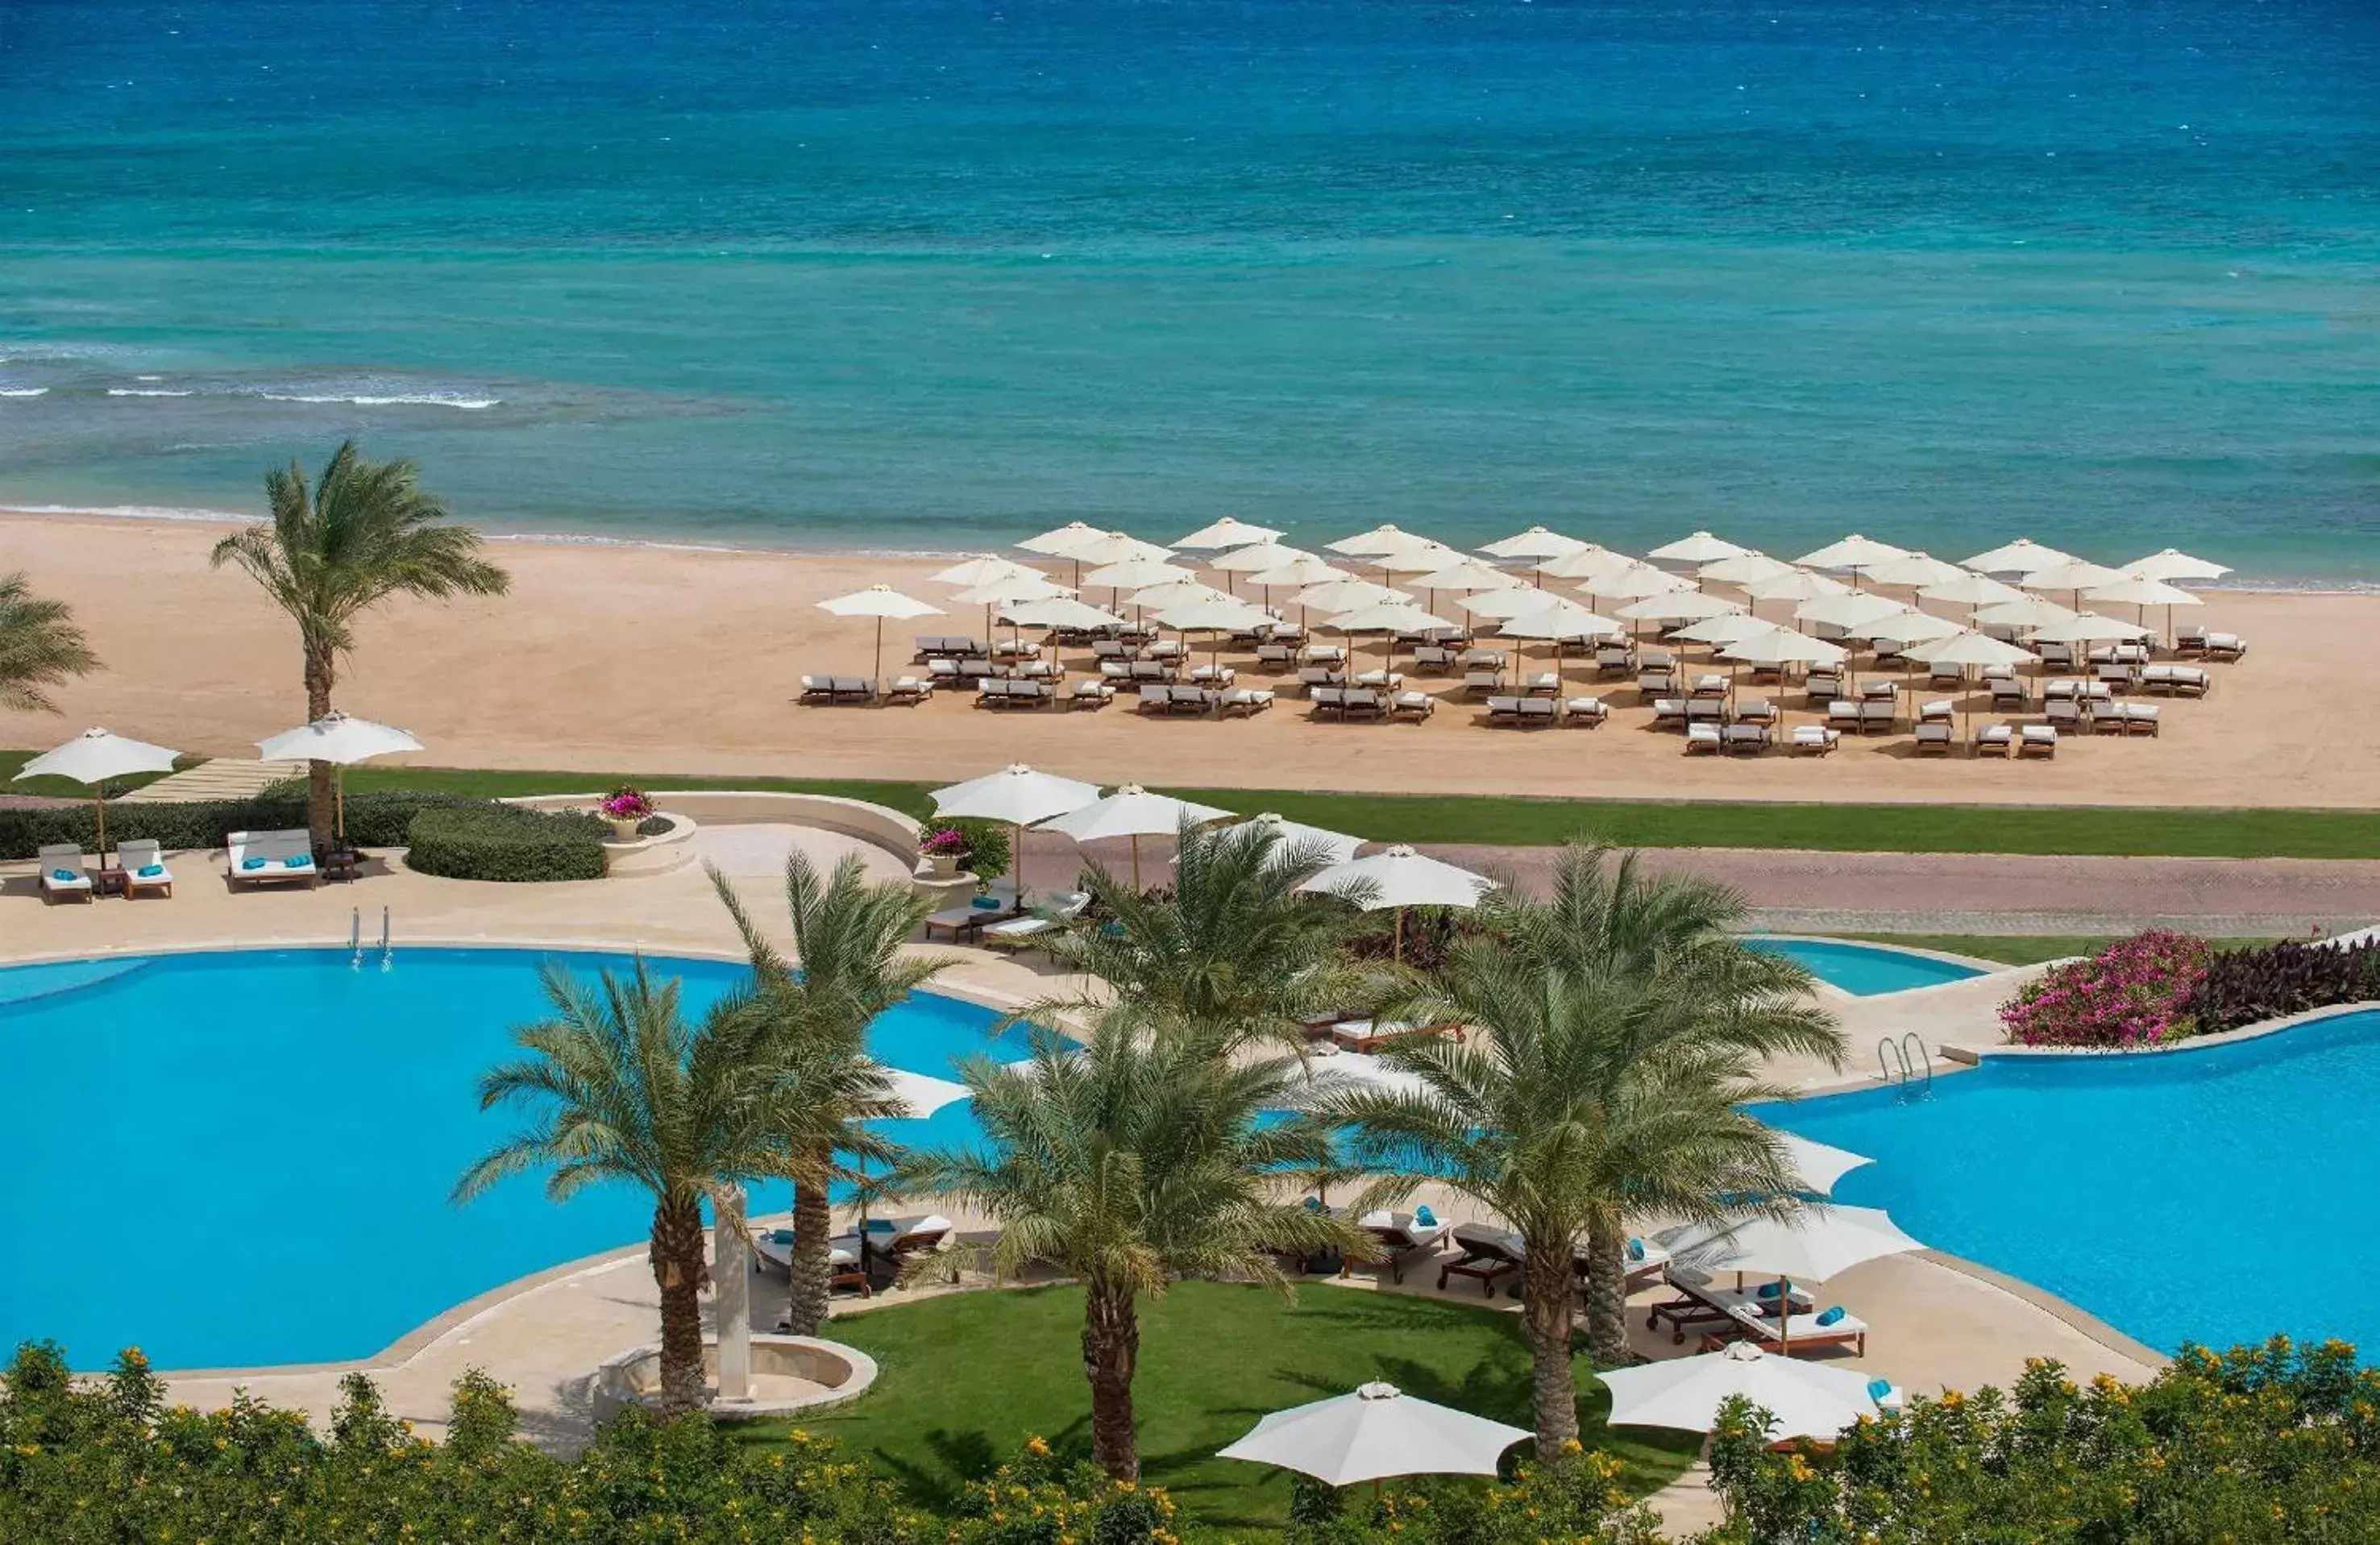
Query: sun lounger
x,y
1363,702
2181,681
1542,684
1823,686
1540,711
1434,659
1186,699
1036,928
1116,649
818,689
1995,740
1744,739
270,857
2189,638
1414,705
1816,740
1880,716
1401,1236
2120,654
1709,710
1316,677
2224,646
1369,1035
1701,1301
2136,718
2054,654
1936,738
1702,738
1755,711
1946,676
1015,649
1940,711
1328,701
1326,654
1091,694
1167,650
1657,660
1827,1330
64,871
1842,713
889,1244
909,691
1486,1255
2009,695
144,867
1480,684
2036,740
1586,711
1036,669
998,692
1653,684
2114,676
1151,670
1278,657
2065,712
1156,698
960,921
1378,677
1482,659
1614,659
775,1247
1213,675
1668,711
1246,701
1708,685
1503,711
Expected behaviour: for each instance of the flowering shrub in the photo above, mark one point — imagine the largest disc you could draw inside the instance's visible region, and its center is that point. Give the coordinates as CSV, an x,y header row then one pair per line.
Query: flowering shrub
x,y
945,842
626,803
2132,993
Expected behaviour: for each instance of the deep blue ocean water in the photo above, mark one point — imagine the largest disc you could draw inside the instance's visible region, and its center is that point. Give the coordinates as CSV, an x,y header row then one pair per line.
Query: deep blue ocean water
x,y
922,273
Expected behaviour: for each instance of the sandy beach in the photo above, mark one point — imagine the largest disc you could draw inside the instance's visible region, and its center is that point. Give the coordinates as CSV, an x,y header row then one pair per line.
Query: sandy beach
x,y
624,659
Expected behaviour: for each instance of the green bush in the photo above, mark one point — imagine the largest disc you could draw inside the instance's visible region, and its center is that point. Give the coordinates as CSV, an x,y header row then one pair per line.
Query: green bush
x,y
373,820
507,842
987,845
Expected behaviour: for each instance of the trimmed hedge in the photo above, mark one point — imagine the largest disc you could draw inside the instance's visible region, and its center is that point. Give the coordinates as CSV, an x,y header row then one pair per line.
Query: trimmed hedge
x,y
505,843
383,820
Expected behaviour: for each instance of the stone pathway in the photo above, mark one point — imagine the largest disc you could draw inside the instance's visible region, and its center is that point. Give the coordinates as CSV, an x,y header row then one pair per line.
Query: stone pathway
x,y
223,778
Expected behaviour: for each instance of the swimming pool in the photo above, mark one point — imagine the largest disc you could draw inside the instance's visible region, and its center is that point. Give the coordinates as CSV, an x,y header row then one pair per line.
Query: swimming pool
x,y
2215,1195
1865,970
244,1157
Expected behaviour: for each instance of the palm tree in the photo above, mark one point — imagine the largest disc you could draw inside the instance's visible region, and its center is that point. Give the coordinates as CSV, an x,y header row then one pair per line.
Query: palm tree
x,y
1622,1028
1128,1163
848,935
620,1087
1230,948
366,531
40,647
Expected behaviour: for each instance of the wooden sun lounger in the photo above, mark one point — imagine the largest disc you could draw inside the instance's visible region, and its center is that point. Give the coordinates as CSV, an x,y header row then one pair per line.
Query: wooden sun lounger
x,y
1488,1254
1402,1238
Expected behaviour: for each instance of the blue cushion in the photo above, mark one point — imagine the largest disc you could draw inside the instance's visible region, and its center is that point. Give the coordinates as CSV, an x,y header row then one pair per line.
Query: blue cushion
x,y
1877,1389
781,1236
1768,1290
252,863
1425,1217
304,861
880,1225
1833,1315
985,903
1314,1204
151,871
64,874
1635,1250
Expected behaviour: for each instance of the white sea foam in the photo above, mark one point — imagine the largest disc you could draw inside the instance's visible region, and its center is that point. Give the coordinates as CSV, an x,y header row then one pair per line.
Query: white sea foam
x,y
135,512
409,399
147,392
24,390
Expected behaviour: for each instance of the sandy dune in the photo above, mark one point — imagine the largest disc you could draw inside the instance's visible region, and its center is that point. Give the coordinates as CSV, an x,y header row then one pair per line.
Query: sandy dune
x,y
620,658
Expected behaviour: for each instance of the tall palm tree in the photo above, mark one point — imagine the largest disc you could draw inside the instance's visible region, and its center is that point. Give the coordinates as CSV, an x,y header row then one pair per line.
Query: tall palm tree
x,y
1622,1028
620,1087
1128,1163
364,532
815,1011
40,647
1231,947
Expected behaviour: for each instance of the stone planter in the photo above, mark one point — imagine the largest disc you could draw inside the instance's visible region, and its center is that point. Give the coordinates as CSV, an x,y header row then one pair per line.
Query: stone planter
x,y
624,827
941,866
789,1374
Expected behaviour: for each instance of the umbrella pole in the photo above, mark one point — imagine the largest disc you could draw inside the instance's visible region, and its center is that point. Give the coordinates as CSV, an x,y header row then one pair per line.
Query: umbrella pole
x,y
98,807
339,783
1136,860
878,669
1401,935
1785,1308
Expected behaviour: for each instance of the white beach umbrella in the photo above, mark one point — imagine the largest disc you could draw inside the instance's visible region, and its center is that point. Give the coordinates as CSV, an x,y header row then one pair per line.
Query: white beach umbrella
x,y
1965,648
1115,547
1782,646
1810,1244
1701,547
1970,589
1854,552
1561,620
1379,542
992,593
2133,589
93,758
984,569
2021,556
1419,560
1398,877
1177,592
1258,556
1849,610
1345,595
1226,614
2087,627
1131,811
1747,569
2034,611
1468,574
1726,628
1063,542
1059,611
1914,570
1136,573
341,741
1808,1400
1518,601
1913,627
1018,795
1818,1165
1391,617
1306,569
2074,574
1635,583
1589,562
1375,1432
880,601
1228,532
1295,834
1794,585
2170,564
1683,606
1537,542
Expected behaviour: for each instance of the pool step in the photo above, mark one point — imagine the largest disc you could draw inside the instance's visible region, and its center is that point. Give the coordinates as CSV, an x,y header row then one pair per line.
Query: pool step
x,y
223,778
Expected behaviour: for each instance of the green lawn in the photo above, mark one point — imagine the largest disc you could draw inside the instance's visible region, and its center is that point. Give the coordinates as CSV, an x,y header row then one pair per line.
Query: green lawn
x,y
968,1377
66,789
2017,949
1849,828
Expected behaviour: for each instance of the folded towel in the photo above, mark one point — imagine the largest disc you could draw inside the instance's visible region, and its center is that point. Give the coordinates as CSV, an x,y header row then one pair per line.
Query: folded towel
x,y
1425,1217
151,871
252,863
1314,1204
64,874
1832,1316
781,1236
1877,1389
985,903
305,862
1768,1290
1635,1250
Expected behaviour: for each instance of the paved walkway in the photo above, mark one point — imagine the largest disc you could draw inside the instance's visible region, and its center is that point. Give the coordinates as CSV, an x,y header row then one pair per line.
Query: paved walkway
x,y
223,778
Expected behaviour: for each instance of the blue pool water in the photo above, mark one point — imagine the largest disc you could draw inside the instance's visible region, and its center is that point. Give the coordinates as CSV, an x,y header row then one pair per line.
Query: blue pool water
x,y
244,1158
1866,969
2216,1194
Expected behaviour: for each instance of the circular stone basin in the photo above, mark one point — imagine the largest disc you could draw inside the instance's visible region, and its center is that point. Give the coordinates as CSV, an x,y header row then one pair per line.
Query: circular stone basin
x,y
789,1374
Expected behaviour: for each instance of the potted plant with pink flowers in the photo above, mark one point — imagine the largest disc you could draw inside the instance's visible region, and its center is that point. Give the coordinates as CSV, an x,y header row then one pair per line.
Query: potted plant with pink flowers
x,y
944,848
626,808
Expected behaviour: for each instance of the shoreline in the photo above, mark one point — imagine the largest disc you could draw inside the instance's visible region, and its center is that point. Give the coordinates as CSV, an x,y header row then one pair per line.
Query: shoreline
x,y
162,515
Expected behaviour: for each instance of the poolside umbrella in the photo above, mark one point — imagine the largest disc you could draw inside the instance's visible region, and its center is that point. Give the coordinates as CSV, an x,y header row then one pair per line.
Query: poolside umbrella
x,y
919,1096
1378,542
1375,1432
1537,542
1699,548
2074,574
93,758
1228,532
1812,1243
880,601
1854,552
1399,878
1747,569
1131,811
1391,617
1028,585
1964,649
2139,591
1970,591
983,570
1819,1166
2168,564
341,741
1561,619
1017,796
1915,570
1254,559
1808,1400
1228,614
1296,835
2023,555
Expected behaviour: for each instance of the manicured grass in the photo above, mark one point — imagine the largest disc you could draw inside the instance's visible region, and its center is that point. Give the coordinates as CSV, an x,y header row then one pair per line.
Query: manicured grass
x,y
2017,949
1844,828
966,1379
66,789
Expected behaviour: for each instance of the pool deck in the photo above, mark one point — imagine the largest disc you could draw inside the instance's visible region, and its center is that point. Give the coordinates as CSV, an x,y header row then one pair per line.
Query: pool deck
x,y
1936,1325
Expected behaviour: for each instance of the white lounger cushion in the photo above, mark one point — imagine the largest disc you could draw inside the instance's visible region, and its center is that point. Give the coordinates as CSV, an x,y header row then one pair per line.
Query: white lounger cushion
x,y
1411,1234
65,856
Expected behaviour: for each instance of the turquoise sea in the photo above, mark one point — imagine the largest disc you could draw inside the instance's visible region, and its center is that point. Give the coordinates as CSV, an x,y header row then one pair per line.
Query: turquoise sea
x,y
936,273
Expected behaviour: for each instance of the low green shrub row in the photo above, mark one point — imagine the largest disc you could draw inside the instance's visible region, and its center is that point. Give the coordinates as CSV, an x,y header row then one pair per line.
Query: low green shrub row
x,y
2271,981
505,843
383,820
